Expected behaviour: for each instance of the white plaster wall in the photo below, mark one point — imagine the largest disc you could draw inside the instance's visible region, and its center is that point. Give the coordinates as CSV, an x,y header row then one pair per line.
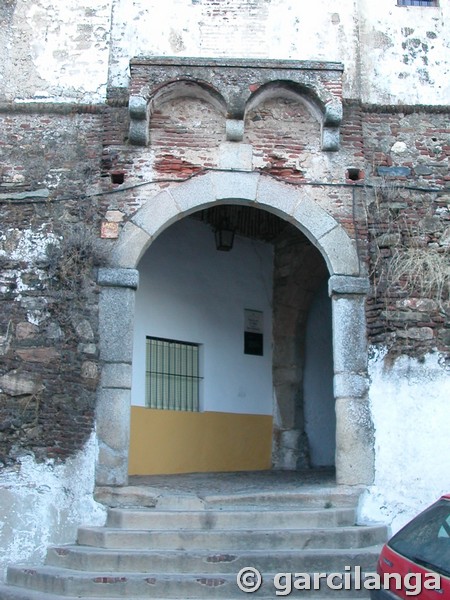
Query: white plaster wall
x,y
45,503
320,414
278,29
411,414
63,51
404,53
191,292
55,51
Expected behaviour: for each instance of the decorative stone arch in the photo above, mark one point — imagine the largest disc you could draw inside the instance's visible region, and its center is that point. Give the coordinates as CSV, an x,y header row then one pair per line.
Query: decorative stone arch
x,y
347,287
233,85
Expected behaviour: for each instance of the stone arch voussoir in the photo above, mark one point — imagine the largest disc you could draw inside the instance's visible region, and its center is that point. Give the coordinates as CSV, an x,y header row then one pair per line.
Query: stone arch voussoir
x,y
292,204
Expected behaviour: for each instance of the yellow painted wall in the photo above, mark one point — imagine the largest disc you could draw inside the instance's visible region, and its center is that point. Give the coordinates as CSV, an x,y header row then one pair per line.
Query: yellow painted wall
x,y
167,441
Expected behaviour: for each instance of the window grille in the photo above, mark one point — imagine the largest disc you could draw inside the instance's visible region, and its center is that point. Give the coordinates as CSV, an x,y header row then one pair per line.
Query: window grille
x,y
172,375
417,3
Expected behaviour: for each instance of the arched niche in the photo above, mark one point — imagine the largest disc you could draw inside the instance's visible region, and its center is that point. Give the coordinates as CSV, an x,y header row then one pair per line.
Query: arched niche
x,y
234,84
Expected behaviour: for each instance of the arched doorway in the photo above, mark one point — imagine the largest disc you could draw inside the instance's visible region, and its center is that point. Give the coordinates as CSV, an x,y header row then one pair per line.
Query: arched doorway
x,y
347,287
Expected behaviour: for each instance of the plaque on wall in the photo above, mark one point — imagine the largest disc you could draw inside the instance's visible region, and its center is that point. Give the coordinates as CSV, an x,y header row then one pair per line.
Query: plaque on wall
x,y
253,332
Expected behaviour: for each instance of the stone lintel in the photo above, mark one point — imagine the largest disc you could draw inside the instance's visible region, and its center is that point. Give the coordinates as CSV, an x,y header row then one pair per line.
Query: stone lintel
x,y
109,277
243,63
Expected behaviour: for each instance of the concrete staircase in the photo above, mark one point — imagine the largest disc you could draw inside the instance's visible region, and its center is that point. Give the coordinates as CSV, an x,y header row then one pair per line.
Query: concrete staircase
x,y
187,547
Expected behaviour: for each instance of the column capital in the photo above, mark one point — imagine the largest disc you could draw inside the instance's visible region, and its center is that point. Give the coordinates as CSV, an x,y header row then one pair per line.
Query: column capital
x,y
346,284
110,277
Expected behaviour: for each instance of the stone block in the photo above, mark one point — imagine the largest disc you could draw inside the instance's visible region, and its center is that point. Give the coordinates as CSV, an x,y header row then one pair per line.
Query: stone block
x,y
236,156
88,348
339,252
116,375
333,113
234,130
394,171
280,198
416,333
131,245
116,315
84,330
157,214
311,219
112,467
17,383
25,330
387,240
89,370
127,278
349,334
350,385
330,139
113,419
345,284
38,355
139,126
42,193
354,442
196,193
235,186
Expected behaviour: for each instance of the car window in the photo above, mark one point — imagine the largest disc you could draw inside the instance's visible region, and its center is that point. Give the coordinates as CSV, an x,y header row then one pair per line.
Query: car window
x,y
444,531
426,539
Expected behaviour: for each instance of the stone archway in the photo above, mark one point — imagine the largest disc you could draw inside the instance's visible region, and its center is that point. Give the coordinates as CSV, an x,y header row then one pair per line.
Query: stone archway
x,y
347,288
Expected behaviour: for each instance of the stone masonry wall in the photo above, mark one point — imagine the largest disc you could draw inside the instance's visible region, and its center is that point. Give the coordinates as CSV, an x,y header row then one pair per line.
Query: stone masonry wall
x,y
408,218
48,328
66,170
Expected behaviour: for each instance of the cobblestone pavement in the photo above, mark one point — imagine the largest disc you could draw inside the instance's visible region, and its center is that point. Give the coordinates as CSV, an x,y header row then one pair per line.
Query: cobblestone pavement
x,y
238,482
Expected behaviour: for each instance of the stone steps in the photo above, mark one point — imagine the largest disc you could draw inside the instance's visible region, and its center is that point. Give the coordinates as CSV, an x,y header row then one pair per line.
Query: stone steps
x,y
145,585
97,560
163,552
225,540
222,519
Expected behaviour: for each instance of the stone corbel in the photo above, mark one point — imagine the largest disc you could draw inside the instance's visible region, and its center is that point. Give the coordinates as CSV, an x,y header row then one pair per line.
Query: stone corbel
x,y
139,111
330,127
234,129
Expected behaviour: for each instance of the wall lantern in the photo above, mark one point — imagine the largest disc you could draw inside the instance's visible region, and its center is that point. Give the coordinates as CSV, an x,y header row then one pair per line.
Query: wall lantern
x,y
224,234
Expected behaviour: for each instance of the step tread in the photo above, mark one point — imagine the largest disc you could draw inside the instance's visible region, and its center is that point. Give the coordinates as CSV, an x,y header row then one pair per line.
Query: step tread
x,y
221,531
79,548
239,509
52,571
8,592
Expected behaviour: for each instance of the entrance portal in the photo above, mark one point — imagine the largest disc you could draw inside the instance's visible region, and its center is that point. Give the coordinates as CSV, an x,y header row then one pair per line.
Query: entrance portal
x,y
354,443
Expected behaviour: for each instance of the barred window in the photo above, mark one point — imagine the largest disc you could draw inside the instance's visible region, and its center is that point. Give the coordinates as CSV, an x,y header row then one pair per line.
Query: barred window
x,y
417,2
172,375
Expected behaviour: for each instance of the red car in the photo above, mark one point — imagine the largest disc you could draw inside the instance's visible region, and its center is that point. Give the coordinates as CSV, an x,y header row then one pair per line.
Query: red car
x,y
415,562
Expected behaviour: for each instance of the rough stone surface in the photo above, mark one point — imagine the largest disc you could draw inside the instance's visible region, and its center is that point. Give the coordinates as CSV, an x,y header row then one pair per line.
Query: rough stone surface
x,y
116,312
116,375
349,334
235,156
16,383
127,278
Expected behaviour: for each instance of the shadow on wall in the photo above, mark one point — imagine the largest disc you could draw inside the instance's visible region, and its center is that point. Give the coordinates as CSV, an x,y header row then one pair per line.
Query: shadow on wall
x,y
320,415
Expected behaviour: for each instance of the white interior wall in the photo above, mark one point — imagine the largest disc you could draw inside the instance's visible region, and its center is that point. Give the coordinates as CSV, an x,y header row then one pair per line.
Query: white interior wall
x,y
191,292
320,415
